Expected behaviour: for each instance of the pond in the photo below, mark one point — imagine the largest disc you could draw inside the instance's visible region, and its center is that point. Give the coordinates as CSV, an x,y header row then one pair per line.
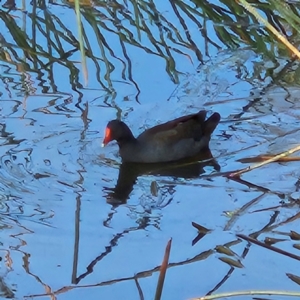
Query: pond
x,y
76,223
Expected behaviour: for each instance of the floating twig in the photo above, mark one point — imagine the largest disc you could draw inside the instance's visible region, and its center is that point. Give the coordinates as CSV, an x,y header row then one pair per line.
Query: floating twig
x,y
272,159
259,243
162,272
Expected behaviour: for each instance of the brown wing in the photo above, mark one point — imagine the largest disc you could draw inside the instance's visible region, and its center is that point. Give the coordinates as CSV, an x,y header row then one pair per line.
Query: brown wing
x,y
185,127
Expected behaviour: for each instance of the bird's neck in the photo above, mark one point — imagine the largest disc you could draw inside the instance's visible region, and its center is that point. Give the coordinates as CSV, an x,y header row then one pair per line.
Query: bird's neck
x,y
126,138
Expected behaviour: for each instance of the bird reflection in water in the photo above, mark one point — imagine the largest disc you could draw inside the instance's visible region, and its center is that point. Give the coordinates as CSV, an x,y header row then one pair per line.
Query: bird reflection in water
x,y
129,172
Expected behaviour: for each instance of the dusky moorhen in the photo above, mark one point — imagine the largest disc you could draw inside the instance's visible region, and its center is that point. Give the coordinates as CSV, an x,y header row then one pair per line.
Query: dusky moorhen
x,y
174,140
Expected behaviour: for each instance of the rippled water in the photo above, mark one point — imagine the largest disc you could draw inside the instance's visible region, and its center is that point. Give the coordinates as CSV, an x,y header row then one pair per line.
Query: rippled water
x,y
67,231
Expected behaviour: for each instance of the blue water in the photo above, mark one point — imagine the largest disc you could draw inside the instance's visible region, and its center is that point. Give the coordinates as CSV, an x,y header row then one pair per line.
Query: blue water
x,y
62,233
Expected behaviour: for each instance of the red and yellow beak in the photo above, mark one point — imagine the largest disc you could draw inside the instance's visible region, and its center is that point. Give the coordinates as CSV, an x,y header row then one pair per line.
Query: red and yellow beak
x,y
107,137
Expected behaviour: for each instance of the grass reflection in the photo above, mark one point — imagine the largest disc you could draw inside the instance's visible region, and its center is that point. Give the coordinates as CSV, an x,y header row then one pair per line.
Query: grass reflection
x,y
39,36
